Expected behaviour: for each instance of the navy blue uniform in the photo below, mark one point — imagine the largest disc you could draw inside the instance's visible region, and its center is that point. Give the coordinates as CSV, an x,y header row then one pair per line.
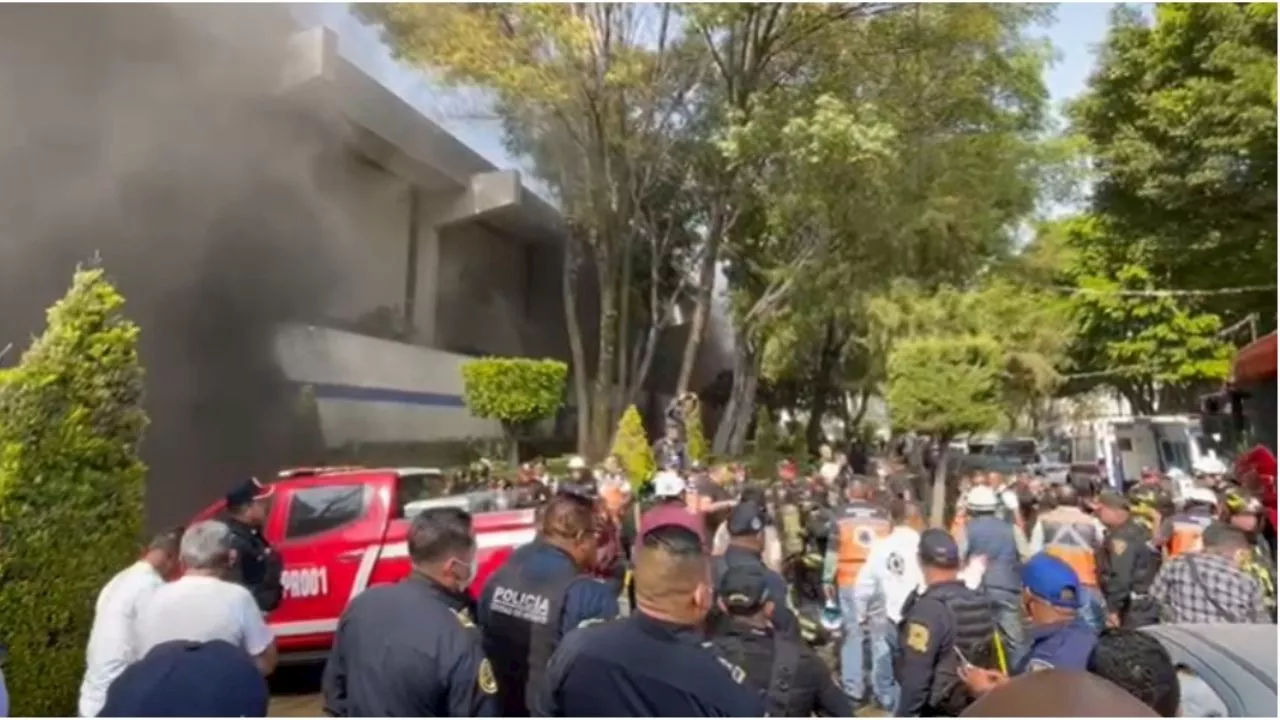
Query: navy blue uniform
x,y
1065,646
945,618
784,620
527,606
409,650
641,667
585,599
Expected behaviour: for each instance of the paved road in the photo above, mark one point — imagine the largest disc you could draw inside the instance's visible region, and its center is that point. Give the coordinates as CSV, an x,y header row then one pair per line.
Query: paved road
x,y
295,692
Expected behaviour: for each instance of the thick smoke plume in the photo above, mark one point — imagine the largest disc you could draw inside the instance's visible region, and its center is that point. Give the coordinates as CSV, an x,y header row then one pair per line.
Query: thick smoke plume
x,y
157,137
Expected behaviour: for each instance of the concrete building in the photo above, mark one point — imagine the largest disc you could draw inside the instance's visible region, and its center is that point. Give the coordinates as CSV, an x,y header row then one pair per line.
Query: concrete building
x,y
457,258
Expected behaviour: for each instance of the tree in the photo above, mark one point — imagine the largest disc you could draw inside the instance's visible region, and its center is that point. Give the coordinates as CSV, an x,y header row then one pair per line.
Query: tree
x,y
71,487
944,386
1180,116
631,445
517,392
1155,349
595,95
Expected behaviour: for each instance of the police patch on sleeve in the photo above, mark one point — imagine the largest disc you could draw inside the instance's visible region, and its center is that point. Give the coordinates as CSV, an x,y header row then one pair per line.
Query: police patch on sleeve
x,y
484,678
1119,546
917,637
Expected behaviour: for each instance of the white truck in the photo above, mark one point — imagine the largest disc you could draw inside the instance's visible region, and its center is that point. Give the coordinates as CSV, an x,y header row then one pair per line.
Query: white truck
x,y
1123,446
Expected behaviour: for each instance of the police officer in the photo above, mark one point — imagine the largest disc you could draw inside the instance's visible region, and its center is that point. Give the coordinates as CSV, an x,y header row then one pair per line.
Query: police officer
x,y
412,649
1127,565
654,662
989,535
542,592
792,678
746,527
1059,637
257,565
1244,512
939,625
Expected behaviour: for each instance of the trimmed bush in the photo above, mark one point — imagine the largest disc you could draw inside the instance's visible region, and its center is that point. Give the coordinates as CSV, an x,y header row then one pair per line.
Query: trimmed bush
x,y
631,445
696,444
71,488
765,453
517,392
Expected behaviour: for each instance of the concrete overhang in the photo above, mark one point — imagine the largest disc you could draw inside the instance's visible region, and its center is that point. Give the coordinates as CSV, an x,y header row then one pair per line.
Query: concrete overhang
x,y
397,136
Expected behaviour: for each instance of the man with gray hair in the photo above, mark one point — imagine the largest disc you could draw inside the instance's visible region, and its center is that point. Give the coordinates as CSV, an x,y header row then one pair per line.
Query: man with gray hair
x,y
203,605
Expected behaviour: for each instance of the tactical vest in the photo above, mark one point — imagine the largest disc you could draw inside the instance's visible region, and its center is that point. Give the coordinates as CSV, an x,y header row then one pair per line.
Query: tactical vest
x,y
993,538
522,629
974,630
858,526
1188,533
1073,538
783,669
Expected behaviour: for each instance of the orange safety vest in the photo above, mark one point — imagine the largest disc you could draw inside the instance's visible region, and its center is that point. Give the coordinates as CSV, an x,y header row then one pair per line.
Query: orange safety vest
x,y
858,526
1187,535
1073,538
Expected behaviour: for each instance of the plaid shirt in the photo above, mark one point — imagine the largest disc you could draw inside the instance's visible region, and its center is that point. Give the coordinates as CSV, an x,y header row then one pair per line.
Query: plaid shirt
x,y
1202,587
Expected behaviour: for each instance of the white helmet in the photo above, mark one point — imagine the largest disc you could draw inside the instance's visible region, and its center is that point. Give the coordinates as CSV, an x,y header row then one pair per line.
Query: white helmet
x,y
577,463
1202,495
981,498
1210,465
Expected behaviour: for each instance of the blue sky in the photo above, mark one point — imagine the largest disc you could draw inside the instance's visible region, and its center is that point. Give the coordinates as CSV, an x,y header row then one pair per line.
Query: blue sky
x,y
1075,32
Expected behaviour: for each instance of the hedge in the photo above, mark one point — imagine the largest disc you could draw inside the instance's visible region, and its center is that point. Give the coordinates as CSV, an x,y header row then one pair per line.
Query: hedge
x,y
71,489
517,392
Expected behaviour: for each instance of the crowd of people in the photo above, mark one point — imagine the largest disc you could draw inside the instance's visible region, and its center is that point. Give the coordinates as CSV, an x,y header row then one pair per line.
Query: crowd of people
x,y
819,593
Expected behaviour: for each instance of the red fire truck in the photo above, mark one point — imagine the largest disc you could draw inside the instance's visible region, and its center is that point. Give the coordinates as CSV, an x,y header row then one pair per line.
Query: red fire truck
x,y
341,530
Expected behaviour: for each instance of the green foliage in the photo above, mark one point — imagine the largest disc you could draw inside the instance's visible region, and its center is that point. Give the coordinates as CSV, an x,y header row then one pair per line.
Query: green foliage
x,y
631,445
513,391
1147,347
1180,117
766,454
696,444
71,488
945,385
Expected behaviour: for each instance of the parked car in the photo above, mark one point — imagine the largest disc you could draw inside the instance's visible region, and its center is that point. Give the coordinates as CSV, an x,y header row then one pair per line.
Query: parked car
x,y
1224,670
342,530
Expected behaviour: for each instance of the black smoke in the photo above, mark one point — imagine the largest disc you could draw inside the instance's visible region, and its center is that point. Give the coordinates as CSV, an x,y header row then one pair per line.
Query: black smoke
x,y
158,138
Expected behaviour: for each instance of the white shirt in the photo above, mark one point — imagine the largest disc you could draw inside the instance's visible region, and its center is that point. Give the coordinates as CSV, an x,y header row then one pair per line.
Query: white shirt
x,y
200,608
830,470
891,572
113,640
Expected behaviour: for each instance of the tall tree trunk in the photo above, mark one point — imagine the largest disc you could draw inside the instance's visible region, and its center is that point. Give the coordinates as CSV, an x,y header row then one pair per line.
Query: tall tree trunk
x,y
602,393
731,433
701,306
822,387
938,495
577,351
622,380
864,397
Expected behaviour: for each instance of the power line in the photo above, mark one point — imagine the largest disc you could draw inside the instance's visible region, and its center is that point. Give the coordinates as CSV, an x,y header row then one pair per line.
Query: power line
x,y
1165,293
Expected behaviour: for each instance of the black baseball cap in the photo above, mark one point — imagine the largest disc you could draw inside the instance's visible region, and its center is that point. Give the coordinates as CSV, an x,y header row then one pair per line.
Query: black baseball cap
x,y
744,589
747,518
1113,499
939,549
248,491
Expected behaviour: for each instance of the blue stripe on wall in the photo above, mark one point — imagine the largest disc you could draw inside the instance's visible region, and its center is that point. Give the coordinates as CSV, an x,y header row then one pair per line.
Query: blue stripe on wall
x,y
334,391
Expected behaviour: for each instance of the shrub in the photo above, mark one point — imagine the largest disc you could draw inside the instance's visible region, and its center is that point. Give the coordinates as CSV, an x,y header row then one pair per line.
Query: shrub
x,y
765,447
631,445
71,488
517,392
695,438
